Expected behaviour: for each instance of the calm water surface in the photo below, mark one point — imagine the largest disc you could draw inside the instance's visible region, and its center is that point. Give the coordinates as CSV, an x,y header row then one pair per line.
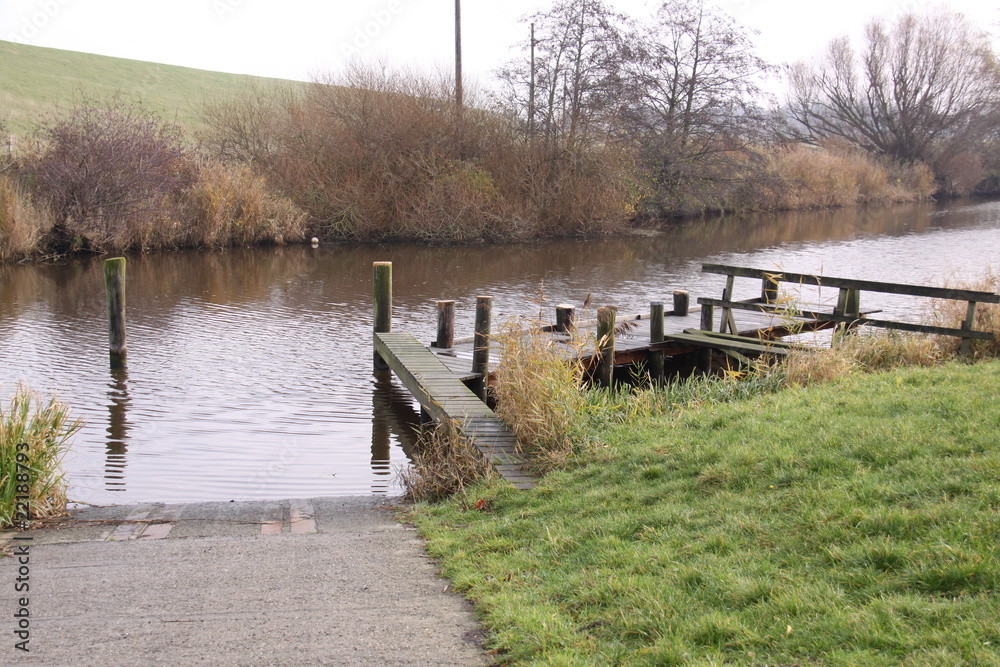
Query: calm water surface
x,y
249,371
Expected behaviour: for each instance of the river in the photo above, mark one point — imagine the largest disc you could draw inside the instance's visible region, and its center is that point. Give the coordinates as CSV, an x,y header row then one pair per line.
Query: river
x,y
249,371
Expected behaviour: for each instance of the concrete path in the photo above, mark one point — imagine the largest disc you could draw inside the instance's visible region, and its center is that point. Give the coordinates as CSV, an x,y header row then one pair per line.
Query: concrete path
x,y
326,581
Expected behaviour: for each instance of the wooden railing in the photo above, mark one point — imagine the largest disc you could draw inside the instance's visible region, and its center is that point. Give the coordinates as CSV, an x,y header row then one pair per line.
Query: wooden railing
x,y
847,312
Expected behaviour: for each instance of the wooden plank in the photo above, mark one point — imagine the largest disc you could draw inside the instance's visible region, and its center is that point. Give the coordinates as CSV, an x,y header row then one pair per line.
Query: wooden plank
x,y
729,343
846,319
851,283
444,396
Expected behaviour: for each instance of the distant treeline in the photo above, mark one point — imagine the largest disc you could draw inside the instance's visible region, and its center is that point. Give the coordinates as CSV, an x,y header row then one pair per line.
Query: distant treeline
x,y
604,121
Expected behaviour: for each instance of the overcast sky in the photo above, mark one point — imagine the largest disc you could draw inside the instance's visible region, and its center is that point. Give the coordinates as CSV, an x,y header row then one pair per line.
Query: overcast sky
x,y
299,38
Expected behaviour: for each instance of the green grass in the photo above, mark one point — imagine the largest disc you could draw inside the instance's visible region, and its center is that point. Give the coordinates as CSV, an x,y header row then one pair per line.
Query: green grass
x,y
35,81
850,523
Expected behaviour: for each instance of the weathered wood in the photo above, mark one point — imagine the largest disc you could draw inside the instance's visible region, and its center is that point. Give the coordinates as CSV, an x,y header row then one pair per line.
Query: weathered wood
x,y
705,353
728,342
768,289
682,303
565,318
605,345
444,397
114,290
727,313
656,336
382,288
481,344
861,320
445,325
862,285
970,320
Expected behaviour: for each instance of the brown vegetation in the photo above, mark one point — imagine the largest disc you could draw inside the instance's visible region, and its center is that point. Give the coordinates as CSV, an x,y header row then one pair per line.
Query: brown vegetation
x,y
376,155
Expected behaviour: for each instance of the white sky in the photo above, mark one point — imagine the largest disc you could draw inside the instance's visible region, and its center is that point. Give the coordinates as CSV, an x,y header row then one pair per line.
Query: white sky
x,y
297,39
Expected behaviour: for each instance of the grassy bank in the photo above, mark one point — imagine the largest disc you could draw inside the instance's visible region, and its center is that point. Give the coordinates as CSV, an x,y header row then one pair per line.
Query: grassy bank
x,y
852,522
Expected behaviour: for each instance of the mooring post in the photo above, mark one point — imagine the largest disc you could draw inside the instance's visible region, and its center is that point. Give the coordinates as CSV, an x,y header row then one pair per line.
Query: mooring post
x,y
481,345
967,325
682,301
768,289
656,336
565,317
382,285
705,353
446,324
605,344
114,289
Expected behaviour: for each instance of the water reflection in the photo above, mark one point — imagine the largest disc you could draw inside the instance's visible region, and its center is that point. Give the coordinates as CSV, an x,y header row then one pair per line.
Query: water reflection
x,y
118,428
392,415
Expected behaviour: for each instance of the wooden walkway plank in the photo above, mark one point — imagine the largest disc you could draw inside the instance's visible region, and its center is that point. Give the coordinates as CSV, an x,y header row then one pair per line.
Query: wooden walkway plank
x,y
443,395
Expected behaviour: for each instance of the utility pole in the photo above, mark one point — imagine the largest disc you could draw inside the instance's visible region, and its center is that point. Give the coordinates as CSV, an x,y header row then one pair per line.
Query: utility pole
x,y
458,54
531,88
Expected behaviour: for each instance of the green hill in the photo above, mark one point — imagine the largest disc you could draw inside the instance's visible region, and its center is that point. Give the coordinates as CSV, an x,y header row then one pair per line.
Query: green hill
x,y
35,81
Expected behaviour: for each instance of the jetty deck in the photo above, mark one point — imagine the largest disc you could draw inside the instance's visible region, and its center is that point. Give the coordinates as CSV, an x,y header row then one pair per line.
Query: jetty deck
x,y
445,397
450,378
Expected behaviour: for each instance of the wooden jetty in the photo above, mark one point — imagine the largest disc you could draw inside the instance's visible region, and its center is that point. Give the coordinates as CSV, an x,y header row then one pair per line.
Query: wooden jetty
x,y
450,377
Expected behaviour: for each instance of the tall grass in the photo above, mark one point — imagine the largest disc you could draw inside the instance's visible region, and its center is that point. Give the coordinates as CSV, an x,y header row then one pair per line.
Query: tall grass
x,y
538,394
23,220
34,436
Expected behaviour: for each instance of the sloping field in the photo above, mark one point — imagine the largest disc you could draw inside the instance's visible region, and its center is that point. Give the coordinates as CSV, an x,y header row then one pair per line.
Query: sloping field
x,y
35,81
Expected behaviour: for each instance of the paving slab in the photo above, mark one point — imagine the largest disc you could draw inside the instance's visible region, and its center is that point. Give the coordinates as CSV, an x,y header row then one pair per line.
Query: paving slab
x,y
321,581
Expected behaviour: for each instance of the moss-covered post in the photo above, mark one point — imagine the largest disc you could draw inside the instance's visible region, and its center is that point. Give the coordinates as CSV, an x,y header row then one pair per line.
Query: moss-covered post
x,y
382,284
481,345
656,336
114,289
446,324
605,344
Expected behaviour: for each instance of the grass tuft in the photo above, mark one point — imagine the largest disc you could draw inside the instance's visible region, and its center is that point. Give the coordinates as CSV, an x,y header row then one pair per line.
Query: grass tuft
x,y
446,463
34,436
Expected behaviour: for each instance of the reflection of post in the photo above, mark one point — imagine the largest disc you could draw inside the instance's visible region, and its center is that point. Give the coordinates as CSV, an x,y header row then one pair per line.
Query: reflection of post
x,y
116,446
392,413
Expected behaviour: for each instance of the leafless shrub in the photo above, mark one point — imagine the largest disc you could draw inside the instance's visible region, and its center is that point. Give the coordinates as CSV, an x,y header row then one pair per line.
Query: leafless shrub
x,y
446,463
100,165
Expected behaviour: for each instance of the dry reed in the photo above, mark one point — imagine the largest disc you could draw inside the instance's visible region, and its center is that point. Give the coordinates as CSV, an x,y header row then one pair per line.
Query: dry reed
x,y
952,314
538,394
23,221
446,463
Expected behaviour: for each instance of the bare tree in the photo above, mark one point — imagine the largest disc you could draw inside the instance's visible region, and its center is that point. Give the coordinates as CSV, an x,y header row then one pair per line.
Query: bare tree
x,y
568,82
691,97
923,89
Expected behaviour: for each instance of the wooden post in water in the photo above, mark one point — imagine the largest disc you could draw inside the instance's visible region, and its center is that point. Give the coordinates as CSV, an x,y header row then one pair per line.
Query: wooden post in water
x,y
565,317
382,287
114,289
446,325
481,344
605,344
656,336
682,301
